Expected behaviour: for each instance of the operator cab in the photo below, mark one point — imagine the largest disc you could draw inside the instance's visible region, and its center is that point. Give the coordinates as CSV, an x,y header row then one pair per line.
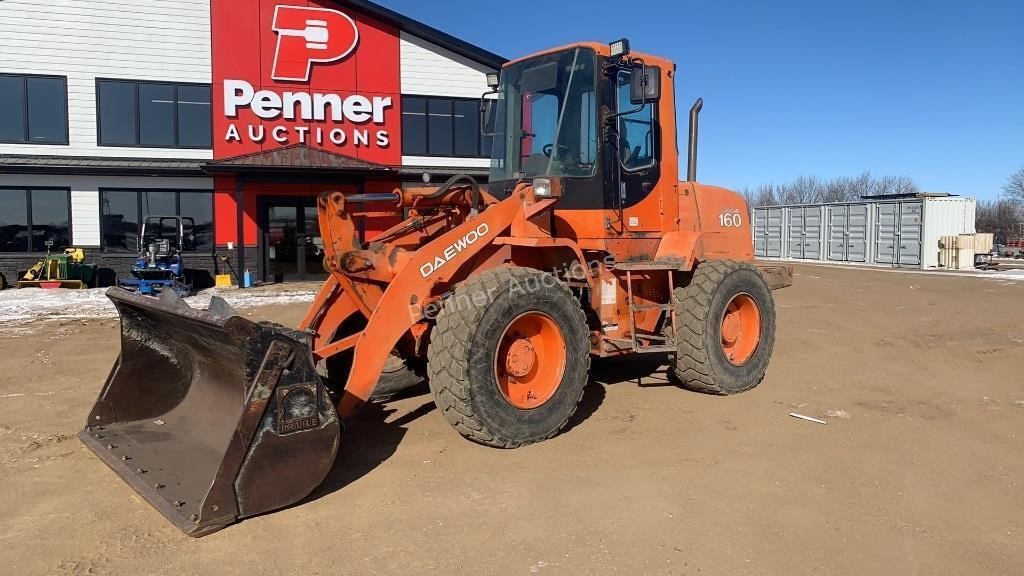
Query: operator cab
x,y
585,115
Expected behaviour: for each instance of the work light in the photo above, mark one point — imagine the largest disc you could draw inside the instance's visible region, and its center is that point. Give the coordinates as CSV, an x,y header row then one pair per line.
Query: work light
x,y
619,48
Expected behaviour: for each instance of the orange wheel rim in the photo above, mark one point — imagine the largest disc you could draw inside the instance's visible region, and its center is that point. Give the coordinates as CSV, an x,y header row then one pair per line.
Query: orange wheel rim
x,y
741,329
530,360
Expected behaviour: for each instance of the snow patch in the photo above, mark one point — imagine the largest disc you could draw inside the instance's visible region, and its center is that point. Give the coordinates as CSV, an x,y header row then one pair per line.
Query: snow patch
x,y
26,305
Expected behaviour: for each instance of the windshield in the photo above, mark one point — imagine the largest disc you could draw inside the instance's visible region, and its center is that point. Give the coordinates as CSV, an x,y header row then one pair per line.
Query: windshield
x,y
546,118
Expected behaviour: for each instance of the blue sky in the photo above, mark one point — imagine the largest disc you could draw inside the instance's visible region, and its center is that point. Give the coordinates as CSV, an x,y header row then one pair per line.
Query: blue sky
x,y
933,90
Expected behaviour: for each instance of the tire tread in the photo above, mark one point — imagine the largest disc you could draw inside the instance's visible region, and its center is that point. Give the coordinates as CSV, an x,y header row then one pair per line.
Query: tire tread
x,y
449,355
693,366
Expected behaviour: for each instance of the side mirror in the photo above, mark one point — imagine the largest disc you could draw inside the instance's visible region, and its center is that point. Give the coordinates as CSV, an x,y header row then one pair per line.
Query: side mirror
x,y
488,111
644,84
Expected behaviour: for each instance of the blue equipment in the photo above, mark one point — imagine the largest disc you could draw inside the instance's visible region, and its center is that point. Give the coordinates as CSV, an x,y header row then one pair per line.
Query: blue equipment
x,y
160,266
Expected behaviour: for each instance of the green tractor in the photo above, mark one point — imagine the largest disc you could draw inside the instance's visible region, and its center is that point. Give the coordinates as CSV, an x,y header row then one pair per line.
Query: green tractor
x,y
66,270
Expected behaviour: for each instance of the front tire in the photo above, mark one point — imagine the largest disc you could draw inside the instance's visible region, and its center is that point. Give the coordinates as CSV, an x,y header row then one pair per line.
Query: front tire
x,y
398,376
509,357
725,328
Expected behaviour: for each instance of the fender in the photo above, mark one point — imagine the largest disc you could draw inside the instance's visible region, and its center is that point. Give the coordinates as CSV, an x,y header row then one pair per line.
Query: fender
x,y
685,245
544,243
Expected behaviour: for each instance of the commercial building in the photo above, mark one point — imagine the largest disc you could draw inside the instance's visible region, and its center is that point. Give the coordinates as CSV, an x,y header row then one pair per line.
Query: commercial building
x,y
901,231
234,113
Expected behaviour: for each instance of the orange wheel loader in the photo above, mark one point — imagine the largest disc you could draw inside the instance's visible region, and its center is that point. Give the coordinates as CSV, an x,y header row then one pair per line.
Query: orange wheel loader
x,y
585,243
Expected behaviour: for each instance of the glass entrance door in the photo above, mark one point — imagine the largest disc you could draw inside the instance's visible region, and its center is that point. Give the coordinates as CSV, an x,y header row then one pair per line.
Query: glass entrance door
x,y
292,247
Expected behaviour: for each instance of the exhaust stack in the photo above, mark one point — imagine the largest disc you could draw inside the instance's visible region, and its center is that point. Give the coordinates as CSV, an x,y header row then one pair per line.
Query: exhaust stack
x,y
691,168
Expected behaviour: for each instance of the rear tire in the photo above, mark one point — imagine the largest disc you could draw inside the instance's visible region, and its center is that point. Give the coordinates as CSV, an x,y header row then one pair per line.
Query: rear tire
x,y
509,357
725,328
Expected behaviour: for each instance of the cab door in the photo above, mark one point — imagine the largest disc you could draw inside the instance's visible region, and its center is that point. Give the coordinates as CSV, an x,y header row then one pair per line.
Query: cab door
x,y
637,152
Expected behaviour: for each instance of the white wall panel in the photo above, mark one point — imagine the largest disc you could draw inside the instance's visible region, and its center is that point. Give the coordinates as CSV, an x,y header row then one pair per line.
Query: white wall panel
x,y
85,217
945,217
428,69
167,40
445,161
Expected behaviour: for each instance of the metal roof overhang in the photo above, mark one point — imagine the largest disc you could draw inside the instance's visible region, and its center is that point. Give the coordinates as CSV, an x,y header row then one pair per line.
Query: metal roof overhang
x,y
95,165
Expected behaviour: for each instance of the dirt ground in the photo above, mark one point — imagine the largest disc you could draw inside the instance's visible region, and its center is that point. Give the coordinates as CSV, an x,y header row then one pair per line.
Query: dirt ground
x,y
920,469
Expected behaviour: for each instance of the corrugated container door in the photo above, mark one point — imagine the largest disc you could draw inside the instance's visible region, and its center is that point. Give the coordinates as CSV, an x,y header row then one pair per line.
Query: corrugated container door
x,y
837,233
812,233
910,233
761,232
774,241
857,232
886,215
796,232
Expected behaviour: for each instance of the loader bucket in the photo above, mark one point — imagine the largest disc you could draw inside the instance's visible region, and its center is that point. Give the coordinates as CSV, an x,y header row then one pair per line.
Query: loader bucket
x,y
211,417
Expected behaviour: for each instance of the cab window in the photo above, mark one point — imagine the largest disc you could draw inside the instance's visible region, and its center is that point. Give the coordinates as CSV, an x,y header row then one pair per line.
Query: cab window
x,y
636,129
588,128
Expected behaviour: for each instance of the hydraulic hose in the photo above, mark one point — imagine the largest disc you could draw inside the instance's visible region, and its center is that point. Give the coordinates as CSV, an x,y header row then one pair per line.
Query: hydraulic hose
x,y
475,193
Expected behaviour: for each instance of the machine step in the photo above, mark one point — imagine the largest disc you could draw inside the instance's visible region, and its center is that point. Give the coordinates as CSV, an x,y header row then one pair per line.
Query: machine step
x,y
633,345
654,349
662,264
639,307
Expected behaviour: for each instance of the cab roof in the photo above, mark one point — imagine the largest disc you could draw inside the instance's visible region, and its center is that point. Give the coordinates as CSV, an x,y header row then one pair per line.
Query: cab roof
x,y
601,48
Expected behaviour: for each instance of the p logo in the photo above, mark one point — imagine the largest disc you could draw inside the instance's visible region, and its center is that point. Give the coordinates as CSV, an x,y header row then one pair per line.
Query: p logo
x,y
307,35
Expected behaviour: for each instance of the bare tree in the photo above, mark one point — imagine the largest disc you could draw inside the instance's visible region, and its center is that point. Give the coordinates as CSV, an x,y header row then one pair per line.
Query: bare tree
x,y
861,185
803,190
810,189
1014,187
1000,217
835,190
889,185
763,195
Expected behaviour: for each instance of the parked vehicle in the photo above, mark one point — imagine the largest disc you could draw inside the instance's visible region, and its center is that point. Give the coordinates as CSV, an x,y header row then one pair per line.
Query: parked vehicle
x,y
160,266
585,244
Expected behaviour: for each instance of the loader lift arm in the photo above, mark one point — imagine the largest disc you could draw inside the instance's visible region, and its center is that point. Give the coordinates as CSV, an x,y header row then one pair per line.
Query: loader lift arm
x,y
389,284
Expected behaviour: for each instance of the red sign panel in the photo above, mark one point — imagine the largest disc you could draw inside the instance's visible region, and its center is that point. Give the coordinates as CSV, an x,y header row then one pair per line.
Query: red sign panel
x,y
293,71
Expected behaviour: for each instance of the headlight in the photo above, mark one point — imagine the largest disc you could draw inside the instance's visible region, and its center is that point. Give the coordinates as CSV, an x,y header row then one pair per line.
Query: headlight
x,y
547,188
542,187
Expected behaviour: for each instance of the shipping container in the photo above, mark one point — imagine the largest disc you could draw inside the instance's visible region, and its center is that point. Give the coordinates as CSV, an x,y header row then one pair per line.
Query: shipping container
x,y
899,231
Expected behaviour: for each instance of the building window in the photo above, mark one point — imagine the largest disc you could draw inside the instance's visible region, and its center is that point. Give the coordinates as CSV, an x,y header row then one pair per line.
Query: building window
x,y
154,114
123,212
443,127
35,219
34,110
